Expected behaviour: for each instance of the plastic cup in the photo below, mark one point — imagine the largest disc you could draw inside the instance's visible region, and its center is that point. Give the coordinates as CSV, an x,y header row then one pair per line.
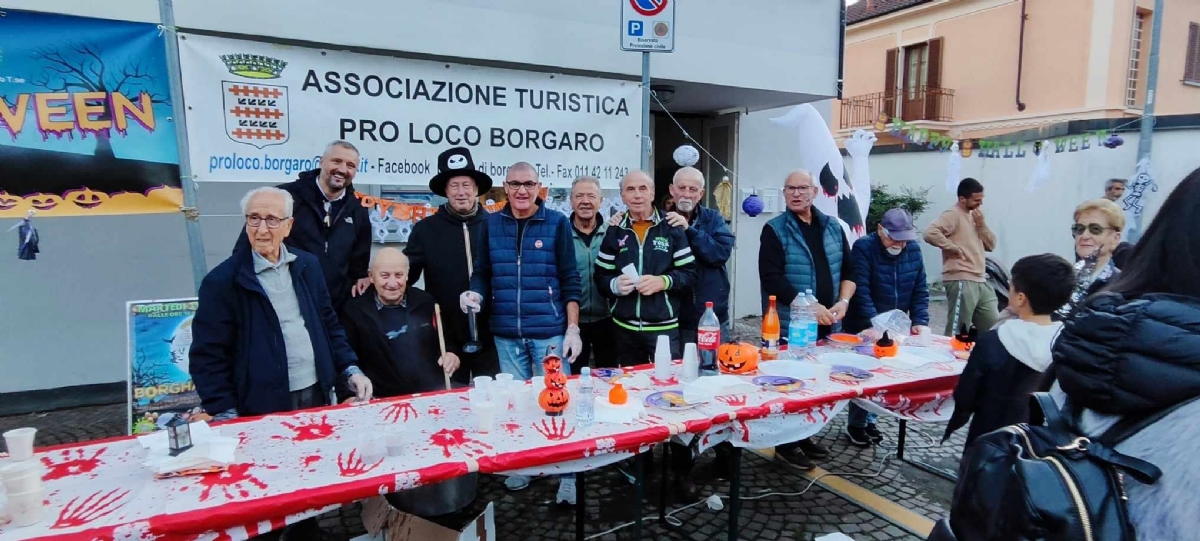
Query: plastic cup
x,y
372,447
484,383
477,396
397,440
25,508
485,413
925,338
503,378
20,443
21,476
523,398
691,363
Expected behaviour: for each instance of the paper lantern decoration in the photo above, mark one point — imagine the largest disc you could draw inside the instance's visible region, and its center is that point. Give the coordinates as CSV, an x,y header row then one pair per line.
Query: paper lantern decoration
x,y
753,205
1113,141
686,155
737,358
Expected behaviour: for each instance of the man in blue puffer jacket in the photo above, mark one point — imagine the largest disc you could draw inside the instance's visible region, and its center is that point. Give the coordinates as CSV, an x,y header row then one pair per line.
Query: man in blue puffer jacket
x,y
889,274
525,269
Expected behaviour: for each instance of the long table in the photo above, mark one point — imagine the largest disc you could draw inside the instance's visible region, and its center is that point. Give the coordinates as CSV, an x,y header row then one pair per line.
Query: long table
x,y
294,466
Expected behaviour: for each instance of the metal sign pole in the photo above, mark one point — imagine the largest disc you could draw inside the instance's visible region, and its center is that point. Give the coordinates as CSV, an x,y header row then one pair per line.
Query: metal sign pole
x,y
646,112
191,215
1146,136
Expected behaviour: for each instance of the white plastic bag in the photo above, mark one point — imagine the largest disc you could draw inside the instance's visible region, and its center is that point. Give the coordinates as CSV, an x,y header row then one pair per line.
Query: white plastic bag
x,y
895,322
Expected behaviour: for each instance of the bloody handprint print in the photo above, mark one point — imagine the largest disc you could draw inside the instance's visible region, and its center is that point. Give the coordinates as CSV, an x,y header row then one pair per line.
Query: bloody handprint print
x,y
71,463
457,438
310,429
99,504
353,466
394,412
237,479
555,431
733,400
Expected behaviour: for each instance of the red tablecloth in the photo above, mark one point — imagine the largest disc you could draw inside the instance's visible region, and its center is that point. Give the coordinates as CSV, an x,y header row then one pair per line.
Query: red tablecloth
x,y
293,466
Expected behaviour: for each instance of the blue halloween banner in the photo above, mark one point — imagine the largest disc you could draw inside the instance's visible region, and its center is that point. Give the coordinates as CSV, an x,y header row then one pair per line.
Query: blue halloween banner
x,y
84,118
160,385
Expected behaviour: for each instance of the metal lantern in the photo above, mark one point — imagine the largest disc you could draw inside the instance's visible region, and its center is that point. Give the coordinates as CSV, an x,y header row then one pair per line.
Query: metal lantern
x,y
179,435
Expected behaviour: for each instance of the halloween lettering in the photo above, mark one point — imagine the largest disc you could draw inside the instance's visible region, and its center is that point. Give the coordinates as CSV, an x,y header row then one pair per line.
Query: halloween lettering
x,y
64,113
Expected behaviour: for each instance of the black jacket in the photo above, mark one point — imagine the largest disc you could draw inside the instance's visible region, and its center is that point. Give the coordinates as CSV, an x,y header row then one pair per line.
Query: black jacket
x,y
665,252
1121,357
436,249
377,359
343,248
993,390
237,358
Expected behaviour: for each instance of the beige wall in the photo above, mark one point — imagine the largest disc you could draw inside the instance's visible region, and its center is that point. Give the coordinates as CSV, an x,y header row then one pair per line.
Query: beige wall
x,y
1075,66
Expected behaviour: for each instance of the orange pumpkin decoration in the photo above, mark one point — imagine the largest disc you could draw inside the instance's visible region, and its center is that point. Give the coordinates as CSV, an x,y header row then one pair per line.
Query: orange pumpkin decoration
x,y
737,358
554,401
552,363
617,395
556,380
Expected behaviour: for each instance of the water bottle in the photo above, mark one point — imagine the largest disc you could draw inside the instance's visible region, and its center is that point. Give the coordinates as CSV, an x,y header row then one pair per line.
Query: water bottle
x,y
585,412
812,320
798,328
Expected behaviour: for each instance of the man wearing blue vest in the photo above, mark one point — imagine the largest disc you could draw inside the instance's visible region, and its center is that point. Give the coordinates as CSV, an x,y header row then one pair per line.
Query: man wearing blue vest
x,y
804,249
525,271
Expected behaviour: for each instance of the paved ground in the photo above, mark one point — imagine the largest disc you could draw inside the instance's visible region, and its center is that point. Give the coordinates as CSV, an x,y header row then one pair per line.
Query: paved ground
x,y
529,514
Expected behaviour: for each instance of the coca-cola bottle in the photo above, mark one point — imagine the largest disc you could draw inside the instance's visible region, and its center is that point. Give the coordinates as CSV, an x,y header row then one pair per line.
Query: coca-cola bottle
x,y
708,338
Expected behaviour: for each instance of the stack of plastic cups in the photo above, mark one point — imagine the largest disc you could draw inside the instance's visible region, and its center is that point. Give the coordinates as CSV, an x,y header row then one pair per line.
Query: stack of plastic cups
x,y
483,407
691,364
21,476
662,358
504,392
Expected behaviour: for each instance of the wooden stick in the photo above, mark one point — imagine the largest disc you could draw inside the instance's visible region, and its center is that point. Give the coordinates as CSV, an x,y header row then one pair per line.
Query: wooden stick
x,y
437,314
467,243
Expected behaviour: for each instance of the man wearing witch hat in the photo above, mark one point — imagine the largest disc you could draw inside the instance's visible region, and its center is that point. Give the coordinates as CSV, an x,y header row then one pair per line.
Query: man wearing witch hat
x,y
440,247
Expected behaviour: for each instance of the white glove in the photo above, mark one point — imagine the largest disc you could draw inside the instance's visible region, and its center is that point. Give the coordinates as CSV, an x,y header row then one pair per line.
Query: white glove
x,y
469,302
572,344
622,285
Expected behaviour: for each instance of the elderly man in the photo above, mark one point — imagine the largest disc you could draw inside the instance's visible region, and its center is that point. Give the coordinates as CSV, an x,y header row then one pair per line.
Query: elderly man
x,y
712,244
392,329
265,338
1114,189
440,248
647,307
525,271
804,250
964,238
889,274
330,223
595,321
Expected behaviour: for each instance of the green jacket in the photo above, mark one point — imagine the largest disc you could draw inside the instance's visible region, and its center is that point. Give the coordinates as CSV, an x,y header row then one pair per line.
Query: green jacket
x,y
593,307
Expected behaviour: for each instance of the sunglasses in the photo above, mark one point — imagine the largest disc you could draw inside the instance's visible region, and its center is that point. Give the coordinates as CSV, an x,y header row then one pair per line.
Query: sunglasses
x,y
1095,229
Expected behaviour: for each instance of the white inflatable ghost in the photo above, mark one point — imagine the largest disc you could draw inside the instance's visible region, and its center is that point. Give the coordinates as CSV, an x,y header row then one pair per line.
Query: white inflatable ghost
x,y
838,195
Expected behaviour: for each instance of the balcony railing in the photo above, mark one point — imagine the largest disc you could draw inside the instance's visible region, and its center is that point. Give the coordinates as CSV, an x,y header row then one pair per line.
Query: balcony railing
x,y
928,103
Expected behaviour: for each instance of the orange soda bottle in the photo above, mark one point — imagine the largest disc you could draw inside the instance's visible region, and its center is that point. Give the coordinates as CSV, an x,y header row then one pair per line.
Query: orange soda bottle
x,y
770,332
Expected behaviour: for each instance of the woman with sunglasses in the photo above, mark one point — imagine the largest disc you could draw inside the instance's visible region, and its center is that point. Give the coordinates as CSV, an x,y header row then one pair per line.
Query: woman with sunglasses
x,y
1097,232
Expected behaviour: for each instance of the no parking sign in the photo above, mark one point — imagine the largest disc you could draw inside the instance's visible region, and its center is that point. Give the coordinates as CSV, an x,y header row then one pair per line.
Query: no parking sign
x,y
648,25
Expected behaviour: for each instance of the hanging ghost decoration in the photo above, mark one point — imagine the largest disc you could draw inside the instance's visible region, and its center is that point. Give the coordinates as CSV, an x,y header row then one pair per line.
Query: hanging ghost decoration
x,y
953,169
838,195
1041,171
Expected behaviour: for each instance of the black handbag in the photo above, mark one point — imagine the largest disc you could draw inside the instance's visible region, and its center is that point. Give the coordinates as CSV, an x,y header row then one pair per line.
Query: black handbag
x,y
1045,482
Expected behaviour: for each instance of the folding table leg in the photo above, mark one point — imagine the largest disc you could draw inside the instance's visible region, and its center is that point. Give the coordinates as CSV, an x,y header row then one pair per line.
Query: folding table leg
x,y
900,443
735,489
580,504
639,491
662,486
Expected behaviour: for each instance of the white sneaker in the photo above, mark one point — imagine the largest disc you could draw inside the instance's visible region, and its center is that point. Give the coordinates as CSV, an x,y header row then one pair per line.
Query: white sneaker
x,y
517,482
566,490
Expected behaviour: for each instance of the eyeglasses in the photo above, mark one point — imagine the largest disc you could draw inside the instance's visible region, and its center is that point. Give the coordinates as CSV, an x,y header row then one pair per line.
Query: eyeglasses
x,y
254,220
1095,229
518,186
797,189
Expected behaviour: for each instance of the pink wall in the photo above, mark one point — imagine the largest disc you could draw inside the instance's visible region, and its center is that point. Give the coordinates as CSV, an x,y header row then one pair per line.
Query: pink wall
x,y
1174,97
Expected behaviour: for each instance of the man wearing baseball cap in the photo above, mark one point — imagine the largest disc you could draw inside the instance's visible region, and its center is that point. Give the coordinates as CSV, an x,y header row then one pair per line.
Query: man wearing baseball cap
x,y
889,274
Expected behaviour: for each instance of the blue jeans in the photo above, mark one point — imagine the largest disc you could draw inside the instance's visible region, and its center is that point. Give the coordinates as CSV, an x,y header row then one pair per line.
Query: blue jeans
x,y
522,357
860,417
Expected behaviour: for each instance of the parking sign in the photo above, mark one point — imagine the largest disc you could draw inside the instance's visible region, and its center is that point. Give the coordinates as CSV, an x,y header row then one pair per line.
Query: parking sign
x,y
648,25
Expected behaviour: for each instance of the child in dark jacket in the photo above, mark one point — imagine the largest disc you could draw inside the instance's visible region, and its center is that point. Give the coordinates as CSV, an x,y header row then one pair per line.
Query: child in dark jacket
x,y
1008,362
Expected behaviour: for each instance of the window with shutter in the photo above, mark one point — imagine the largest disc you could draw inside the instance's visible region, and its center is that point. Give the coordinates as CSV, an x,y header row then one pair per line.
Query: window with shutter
x,y
1191,71
933,81
889,82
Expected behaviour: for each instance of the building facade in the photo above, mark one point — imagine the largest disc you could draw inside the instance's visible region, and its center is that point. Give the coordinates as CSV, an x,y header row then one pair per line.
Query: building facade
x,y
973,69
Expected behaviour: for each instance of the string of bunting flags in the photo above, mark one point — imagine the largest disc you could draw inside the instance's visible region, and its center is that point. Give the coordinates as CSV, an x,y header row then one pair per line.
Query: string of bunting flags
x,y
985,148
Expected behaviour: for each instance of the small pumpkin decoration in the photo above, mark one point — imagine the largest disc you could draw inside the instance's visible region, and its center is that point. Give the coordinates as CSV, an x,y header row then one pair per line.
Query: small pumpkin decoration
x,y
554,398
86,198
9,202
737,358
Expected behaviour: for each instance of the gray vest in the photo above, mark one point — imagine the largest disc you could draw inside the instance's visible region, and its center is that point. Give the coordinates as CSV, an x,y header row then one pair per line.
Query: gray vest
x,y
798,261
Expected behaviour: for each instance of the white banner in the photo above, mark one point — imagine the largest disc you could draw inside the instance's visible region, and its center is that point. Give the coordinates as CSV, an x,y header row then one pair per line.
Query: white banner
x,y
264,112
